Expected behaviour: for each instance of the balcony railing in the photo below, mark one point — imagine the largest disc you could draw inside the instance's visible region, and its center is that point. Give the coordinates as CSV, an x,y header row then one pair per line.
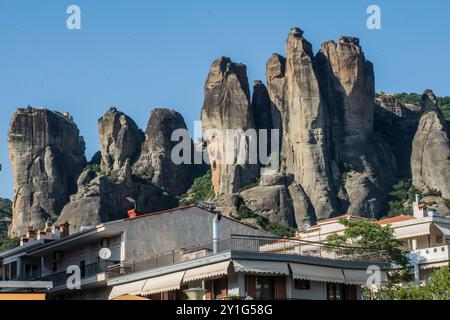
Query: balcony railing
x,y
254,244
87,271
431,254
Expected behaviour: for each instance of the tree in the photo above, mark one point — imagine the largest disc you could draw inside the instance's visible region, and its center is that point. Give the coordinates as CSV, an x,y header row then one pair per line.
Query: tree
x,y
361,236
437,288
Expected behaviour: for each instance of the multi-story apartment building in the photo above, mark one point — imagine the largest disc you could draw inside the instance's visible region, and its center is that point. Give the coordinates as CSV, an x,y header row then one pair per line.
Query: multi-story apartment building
x,y
162,254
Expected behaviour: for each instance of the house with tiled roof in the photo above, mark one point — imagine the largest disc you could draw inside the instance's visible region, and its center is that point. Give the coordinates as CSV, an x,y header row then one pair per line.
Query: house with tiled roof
x,y
425,235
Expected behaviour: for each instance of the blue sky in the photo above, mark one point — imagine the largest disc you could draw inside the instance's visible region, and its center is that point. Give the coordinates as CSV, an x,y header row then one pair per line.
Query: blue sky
x,y
138,55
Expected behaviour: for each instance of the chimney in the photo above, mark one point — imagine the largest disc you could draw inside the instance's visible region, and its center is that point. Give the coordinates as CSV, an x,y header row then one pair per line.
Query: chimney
x,y
28,236
133,213
418,209
56,234
64,229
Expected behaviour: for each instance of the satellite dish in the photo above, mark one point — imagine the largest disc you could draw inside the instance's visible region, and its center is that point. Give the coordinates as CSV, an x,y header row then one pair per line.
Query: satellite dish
x,y
306,226
104,253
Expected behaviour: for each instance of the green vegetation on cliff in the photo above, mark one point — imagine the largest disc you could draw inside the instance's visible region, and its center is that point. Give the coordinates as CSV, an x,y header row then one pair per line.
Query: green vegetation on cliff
x,y
201,190
5,219
416,99
401,198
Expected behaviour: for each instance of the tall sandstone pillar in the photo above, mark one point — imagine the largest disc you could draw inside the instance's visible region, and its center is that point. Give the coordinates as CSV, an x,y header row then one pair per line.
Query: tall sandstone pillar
x,y
47,155
227,107
362,156
295,92
430,159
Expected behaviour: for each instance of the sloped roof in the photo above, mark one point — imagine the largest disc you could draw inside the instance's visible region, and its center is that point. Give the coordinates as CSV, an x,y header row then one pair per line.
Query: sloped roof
x,y
394,219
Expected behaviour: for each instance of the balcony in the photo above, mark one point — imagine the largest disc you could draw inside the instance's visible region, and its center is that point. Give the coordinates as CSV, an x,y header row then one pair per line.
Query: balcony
x,y
87,271
431,255
253,244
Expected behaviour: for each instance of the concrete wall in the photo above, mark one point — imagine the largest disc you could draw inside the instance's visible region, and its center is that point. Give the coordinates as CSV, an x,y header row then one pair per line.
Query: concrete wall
x,y
187,228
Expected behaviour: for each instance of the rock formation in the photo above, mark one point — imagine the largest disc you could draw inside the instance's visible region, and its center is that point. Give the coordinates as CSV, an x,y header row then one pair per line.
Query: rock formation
x,y
106,198
388,104
120,139
397,124
155,161
364,159
47,155
331,159
227,107
108,195
430,159
303,122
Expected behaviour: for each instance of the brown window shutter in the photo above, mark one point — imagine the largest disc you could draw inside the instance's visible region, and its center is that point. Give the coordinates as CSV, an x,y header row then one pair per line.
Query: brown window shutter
x,y
280,288
208,288
250,286
223,287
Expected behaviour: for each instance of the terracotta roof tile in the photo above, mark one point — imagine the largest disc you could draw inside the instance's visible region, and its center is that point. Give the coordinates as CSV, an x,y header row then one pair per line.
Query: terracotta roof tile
x,y
394,219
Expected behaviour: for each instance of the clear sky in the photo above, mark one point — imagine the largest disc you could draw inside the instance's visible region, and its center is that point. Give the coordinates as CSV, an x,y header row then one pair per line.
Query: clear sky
x,y
138,55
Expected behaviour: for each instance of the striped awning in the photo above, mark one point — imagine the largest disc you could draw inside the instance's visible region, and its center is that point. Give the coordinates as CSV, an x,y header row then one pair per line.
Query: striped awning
x,y
132,288
361,276
317,273
207,272
269,267
165,283
410,231
434,265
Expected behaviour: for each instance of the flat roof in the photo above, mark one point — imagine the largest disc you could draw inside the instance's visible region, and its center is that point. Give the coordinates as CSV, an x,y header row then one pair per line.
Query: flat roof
x,y
230,255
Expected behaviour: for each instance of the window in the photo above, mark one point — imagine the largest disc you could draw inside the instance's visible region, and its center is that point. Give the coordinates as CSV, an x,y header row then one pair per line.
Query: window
x,y
220,287
265,287
301,284
337,291
13,267
334,291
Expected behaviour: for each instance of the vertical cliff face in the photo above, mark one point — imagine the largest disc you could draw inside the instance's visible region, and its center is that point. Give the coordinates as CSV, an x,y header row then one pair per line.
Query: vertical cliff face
x,y
361,154
155,161
47,155
120,139
227,107
430,159
303,116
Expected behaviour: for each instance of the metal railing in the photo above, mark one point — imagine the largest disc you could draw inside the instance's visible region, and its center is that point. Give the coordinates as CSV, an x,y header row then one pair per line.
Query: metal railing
x,y
87,271
253,244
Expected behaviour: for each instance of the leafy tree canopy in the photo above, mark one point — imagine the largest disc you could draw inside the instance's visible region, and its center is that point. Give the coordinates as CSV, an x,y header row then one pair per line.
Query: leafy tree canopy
x,y
369,235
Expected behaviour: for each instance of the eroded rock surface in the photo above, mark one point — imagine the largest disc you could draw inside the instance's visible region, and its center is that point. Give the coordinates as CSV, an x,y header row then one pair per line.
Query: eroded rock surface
x,y
47,155
430,159
155,161
227,107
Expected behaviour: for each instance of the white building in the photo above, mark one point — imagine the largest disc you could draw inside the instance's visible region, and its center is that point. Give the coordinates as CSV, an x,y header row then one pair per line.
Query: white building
x,y
424,234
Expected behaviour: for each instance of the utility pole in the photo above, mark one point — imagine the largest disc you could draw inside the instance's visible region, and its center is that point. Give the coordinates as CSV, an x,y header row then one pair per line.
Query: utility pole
x,y
371,201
